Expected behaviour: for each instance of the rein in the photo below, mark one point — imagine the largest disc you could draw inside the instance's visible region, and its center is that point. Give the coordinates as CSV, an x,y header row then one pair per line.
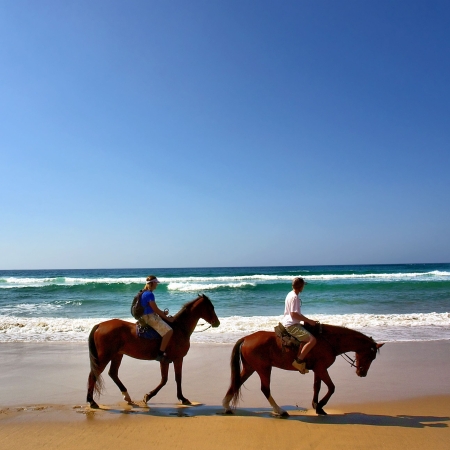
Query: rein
x,y
201,331
345,357
348,359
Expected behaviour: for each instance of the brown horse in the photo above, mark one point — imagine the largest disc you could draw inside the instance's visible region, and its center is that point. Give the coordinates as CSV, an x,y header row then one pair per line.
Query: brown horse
x,y
110,340
262,350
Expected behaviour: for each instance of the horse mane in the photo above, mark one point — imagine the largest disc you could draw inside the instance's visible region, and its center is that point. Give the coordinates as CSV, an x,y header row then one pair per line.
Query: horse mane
x,y
188,305
339,330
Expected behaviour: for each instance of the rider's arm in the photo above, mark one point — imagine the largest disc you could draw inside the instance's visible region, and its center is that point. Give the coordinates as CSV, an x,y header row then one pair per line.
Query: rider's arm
x,y
301,317
160,313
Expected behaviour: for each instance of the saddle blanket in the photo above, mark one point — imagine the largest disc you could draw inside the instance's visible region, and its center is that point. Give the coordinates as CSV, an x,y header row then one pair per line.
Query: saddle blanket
x,y
146,332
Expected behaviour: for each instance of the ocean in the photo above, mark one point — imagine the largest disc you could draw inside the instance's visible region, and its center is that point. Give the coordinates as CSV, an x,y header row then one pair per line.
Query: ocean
x,y
402,302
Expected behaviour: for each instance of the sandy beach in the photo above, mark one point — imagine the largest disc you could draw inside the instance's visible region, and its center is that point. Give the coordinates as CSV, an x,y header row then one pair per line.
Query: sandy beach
x,y
403,402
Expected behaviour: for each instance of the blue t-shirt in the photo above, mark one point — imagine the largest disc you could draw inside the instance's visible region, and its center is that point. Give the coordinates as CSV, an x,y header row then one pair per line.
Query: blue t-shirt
x,y
146,297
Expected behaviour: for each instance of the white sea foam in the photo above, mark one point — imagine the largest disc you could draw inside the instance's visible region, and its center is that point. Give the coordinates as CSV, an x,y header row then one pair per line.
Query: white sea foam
x,y
214,282
194,287
383,328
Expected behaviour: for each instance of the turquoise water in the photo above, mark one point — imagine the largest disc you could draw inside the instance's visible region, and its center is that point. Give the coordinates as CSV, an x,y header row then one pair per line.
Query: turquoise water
x,y
396,302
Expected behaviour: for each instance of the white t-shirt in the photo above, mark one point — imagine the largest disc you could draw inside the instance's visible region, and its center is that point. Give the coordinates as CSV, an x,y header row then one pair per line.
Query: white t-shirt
x,y
292,304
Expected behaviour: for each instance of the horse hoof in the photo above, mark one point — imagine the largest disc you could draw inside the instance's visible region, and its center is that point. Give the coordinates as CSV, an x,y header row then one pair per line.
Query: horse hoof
x,y
320,411
94,405
282,414
228,411
127,398
146,398
186,402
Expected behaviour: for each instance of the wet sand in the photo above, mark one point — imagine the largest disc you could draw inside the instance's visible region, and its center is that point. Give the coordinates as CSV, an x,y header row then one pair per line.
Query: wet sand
x,y
404,401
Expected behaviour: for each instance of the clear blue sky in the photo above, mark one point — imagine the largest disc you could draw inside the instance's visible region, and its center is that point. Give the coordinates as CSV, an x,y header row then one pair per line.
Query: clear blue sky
x,y
223,133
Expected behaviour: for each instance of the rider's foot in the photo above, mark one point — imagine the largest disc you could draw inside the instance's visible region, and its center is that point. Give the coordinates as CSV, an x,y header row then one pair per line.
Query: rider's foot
x,y
300,366
162,357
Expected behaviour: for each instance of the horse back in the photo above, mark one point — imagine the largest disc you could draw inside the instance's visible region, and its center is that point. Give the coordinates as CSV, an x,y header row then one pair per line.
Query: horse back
x,y
117,336
263,348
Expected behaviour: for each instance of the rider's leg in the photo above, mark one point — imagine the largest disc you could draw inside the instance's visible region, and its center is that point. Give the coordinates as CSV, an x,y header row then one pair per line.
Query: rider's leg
x,y
164,330
303,336
165,341
310,343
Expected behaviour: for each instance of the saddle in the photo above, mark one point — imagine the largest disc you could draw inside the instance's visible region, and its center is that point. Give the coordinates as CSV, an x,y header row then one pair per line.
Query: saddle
x,y
146,332
287,340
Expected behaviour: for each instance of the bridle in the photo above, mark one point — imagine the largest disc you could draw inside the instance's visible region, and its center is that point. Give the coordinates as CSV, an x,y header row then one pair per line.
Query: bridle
x,y
344,356
204,329
349,360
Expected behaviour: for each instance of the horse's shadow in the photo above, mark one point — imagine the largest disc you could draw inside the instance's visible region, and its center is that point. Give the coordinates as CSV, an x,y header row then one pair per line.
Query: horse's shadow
x,y
296,414
357,418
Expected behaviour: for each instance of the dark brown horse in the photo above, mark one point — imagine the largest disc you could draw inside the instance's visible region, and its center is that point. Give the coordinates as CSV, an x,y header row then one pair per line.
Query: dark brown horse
x,y
261,351
110,340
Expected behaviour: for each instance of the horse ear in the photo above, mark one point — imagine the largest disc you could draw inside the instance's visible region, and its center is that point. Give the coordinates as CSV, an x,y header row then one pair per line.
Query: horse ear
x,y
380,345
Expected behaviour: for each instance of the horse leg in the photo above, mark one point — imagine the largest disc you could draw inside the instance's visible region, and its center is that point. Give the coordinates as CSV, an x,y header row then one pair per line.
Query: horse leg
x,y
245,374
265,388
178,367
325,377
114,374
317,384
164,378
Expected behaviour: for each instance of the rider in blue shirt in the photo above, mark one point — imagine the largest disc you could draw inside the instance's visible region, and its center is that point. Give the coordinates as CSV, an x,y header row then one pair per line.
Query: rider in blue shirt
x,y
155,317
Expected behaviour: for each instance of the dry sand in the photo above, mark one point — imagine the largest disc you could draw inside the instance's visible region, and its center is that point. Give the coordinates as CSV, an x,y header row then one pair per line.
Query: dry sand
x,y
403,402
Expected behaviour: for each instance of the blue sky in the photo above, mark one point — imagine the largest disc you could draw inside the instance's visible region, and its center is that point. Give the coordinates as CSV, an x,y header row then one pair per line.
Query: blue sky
x,y
225,133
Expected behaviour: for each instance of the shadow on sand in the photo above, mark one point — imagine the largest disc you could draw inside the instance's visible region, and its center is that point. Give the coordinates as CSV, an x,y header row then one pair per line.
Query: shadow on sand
x,y
295,414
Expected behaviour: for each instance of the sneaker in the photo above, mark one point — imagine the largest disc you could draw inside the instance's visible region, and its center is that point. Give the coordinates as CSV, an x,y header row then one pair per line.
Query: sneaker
x,y
301,367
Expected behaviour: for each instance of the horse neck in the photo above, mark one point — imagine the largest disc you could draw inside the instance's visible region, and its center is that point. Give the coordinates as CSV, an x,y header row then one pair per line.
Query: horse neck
x,y
346,340
187,319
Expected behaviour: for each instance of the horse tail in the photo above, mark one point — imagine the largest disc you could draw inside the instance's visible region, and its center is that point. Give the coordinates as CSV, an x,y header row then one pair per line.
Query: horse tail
x,y
235,364
93,357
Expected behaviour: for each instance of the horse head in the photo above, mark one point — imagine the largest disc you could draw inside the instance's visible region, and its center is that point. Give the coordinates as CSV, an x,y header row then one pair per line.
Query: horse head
x,y
365,356
206,310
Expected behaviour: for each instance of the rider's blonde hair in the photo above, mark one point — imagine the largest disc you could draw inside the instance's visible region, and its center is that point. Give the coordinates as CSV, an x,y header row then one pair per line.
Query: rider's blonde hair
x,y
149,279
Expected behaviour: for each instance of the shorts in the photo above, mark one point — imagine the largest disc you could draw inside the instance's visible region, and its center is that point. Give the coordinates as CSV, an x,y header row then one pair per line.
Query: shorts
x,y
299,332
156,323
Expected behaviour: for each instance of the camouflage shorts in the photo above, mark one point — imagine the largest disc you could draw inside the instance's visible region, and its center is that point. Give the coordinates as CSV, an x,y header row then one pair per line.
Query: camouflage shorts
x,y
156,323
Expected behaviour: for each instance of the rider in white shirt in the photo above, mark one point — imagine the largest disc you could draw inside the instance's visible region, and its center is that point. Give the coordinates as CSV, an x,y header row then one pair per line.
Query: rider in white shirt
x,y
291,321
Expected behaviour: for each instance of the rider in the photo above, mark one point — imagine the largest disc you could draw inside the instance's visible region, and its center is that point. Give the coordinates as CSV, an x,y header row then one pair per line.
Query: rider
x,y
153,316
291,321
